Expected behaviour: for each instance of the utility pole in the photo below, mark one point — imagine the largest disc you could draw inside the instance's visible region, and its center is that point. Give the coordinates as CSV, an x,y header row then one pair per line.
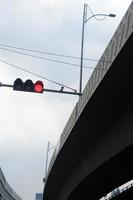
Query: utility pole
x,y
46,165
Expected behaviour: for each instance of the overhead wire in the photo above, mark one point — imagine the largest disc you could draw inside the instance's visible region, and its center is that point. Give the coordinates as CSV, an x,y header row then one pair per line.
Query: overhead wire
x,y
48,53
47,59
43,58
35,74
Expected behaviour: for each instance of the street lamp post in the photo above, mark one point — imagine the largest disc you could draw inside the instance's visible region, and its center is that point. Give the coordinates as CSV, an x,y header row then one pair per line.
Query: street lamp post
x,y
46,165
85,20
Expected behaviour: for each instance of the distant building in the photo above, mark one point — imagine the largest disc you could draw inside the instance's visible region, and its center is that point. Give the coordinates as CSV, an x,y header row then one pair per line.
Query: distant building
x,y
39,196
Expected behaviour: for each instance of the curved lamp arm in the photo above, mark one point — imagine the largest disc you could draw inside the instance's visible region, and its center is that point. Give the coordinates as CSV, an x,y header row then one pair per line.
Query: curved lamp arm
x,y
104,15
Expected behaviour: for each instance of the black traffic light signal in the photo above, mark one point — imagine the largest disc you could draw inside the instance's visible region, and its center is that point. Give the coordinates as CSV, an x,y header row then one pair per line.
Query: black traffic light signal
x,y
28,86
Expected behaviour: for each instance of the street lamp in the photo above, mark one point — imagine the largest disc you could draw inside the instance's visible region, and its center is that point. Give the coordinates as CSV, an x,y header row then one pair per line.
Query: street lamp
x,y
85,20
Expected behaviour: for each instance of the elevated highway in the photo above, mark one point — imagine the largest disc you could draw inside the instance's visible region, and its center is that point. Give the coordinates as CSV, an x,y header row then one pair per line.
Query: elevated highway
x,y
94,153
6,192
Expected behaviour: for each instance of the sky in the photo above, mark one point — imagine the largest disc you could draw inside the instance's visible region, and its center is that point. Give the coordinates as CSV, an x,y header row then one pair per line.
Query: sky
x,y
28,120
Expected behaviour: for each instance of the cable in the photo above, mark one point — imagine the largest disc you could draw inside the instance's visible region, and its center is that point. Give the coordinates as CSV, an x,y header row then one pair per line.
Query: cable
x,y
43,52
27,71
25,54
48,53
56,61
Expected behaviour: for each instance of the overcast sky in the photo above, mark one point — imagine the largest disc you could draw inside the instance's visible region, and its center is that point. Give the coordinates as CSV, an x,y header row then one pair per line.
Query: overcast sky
x,y
28,121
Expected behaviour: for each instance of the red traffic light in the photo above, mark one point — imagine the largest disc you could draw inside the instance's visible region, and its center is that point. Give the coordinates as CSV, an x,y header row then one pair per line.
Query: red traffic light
x,y
38,87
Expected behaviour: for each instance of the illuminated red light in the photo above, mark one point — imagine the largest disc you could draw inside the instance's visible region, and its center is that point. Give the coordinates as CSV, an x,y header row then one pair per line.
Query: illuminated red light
x,y
38,87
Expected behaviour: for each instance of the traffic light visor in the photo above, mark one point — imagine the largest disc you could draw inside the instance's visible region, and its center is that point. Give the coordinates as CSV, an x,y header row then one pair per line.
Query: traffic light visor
x,y
18,84
29,86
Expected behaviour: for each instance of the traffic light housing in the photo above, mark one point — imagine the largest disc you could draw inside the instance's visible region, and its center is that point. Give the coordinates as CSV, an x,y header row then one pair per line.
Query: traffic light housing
x,y
28,86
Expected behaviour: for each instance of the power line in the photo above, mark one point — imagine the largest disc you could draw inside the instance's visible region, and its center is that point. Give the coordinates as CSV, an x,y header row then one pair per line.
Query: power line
x,y
43,58
27,71
48,53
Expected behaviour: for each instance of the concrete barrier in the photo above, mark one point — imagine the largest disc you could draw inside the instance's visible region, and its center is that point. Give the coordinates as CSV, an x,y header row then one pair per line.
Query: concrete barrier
x,y
6,192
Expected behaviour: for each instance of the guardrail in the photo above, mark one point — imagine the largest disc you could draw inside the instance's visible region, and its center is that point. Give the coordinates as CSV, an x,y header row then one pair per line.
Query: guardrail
x,y
6,192
116,192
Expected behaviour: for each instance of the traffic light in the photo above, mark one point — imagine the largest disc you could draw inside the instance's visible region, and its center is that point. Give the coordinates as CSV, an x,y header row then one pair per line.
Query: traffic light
x,y
28,86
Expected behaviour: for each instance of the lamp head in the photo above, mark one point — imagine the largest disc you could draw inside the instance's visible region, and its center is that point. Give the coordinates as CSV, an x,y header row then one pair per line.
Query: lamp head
x,y
112,15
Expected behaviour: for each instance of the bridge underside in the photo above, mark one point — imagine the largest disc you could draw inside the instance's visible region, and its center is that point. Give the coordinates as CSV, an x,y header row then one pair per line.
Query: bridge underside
x,y
97,155
107,177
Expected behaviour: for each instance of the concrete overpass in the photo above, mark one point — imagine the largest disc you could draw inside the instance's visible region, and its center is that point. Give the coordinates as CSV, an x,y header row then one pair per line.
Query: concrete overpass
x,y
94,153
6,192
